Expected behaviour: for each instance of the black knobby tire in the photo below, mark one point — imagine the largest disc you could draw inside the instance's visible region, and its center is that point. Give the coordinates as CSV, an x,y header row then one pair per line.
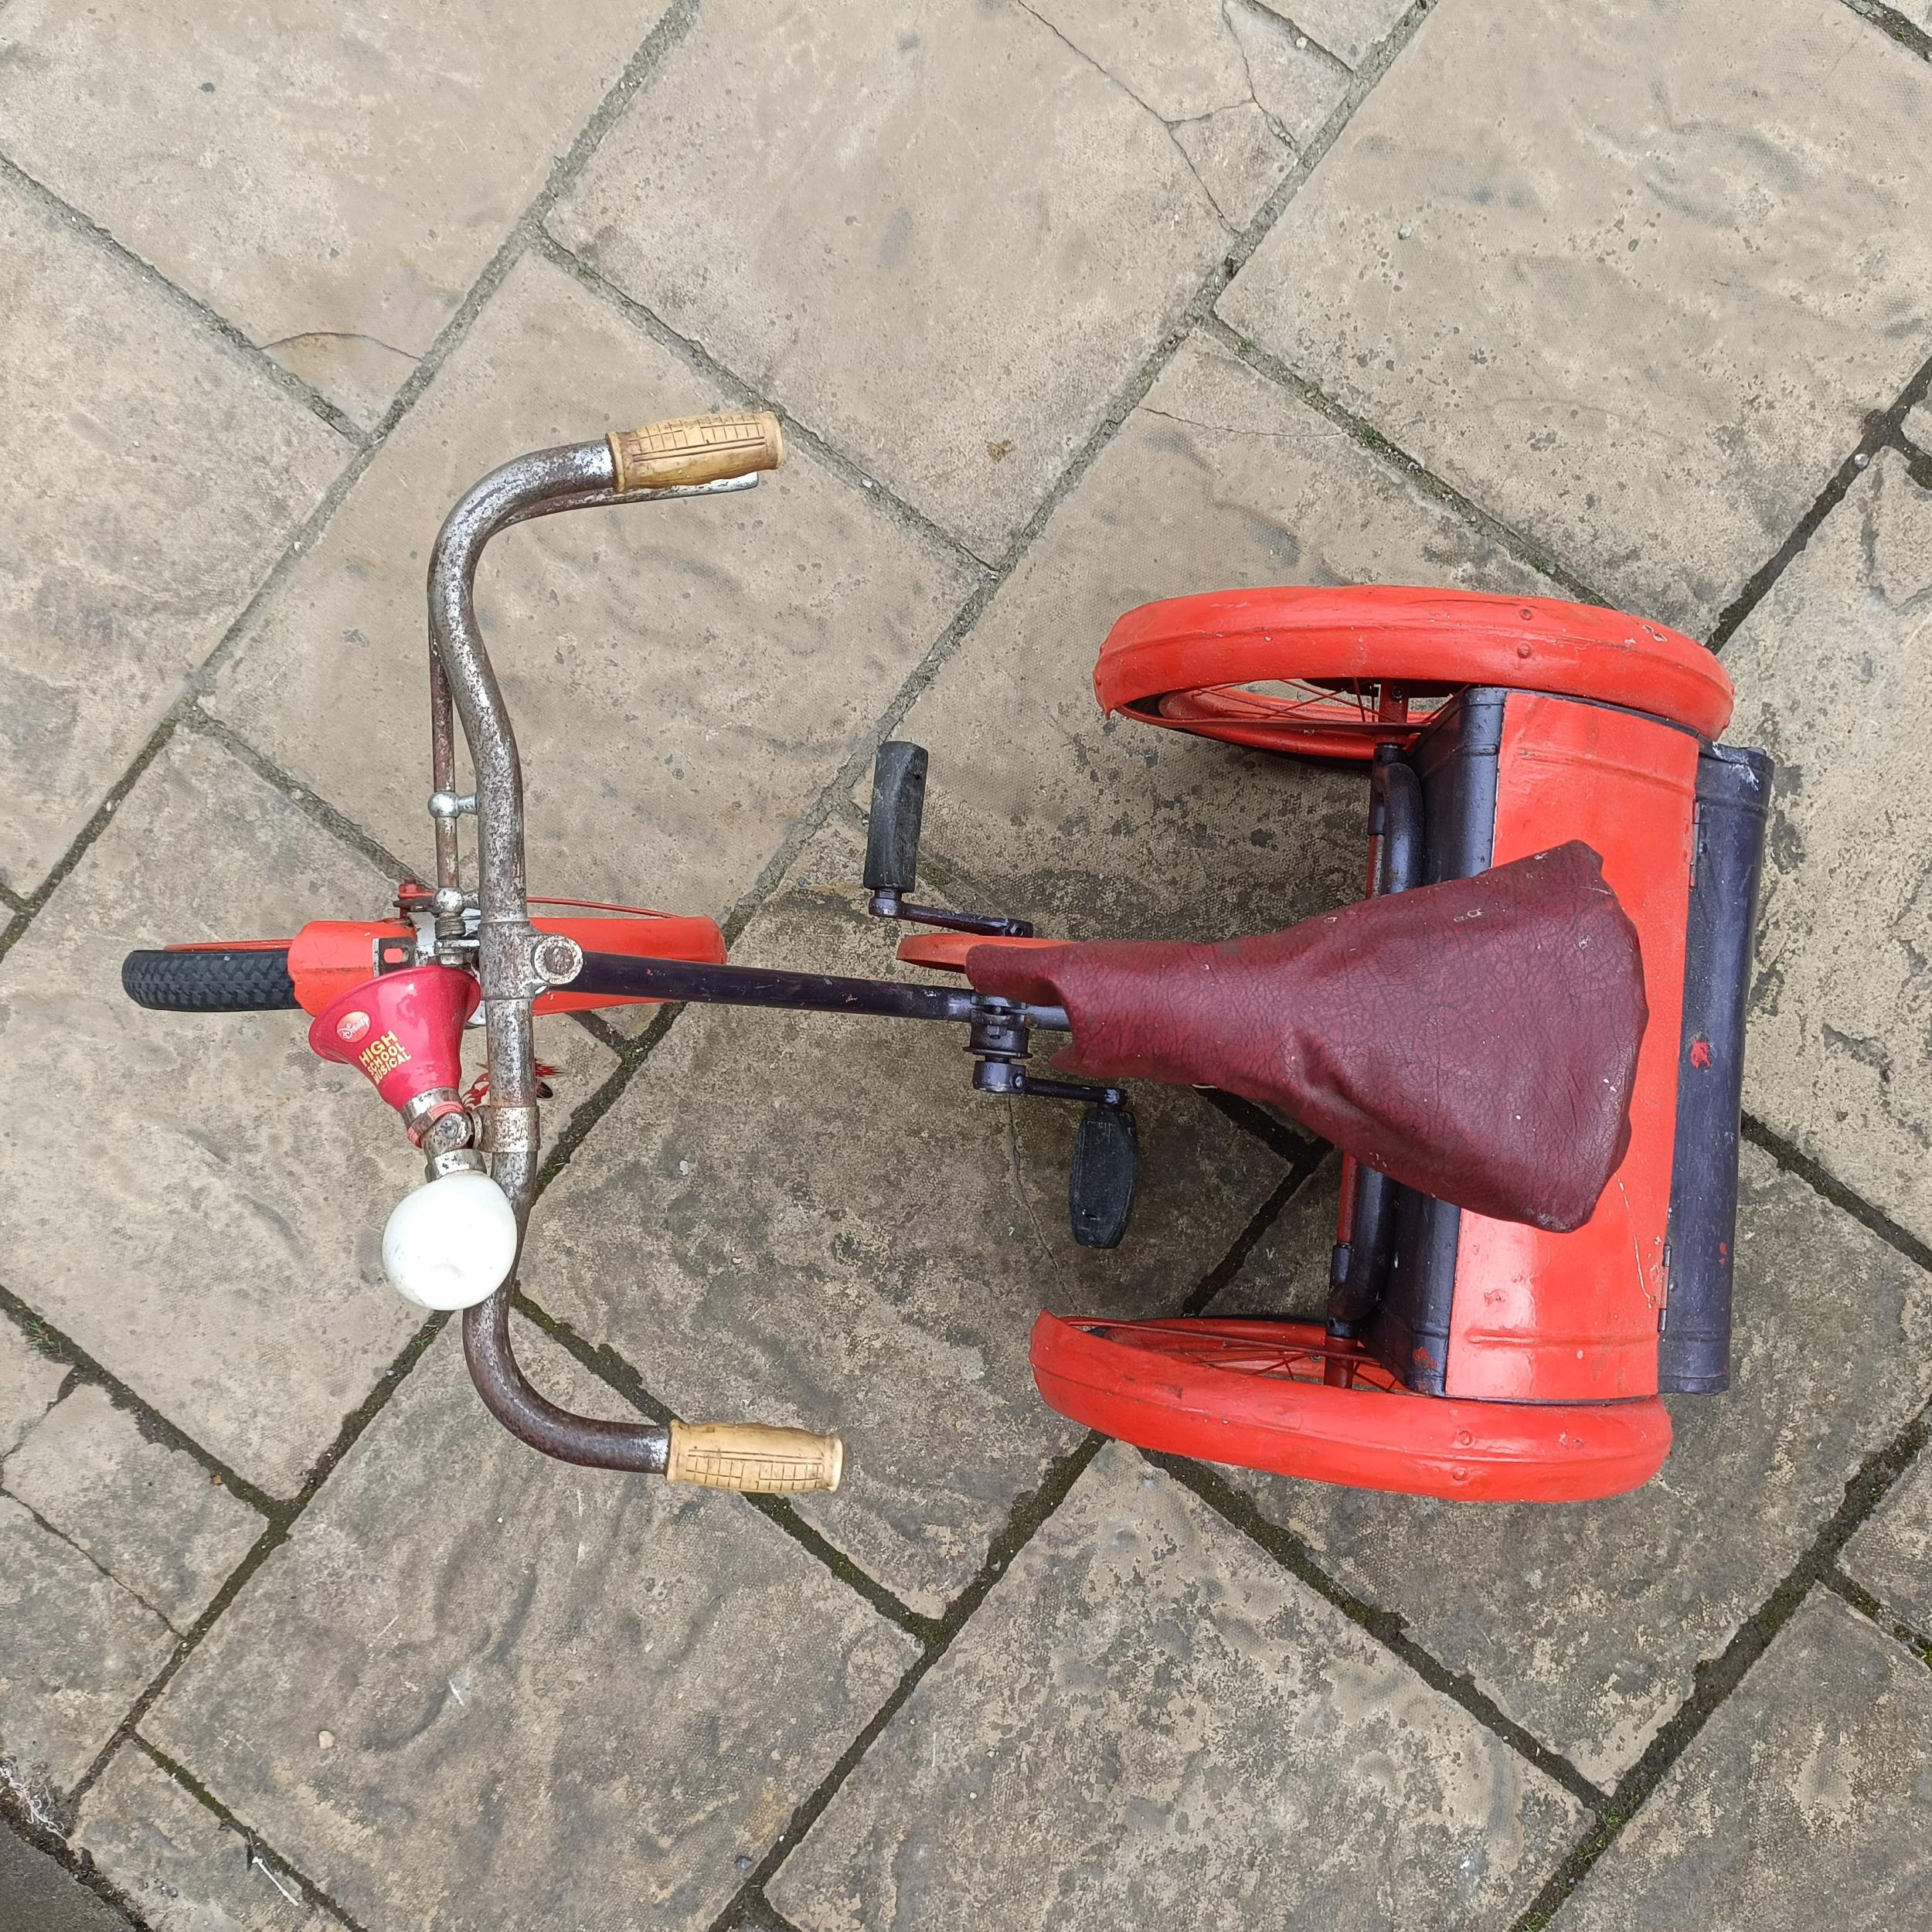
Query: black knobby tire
x,y
239,979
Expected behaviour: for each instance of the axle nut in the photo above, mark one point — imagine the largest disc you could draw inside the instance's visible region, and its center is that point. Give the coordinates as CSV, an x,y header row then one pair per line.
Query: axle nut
x,y
556,958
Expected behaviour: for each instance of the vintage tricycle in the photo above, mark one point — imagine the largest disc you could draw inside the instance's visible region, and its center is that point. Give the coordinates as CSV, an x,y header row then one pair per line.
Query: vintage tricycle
x,y
1527,1040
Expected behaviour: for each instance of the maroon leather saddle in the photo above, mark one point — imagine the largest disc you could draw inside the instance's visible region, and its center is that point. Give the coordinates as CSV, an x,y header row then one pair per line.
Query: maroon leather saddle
x,y
1477,1040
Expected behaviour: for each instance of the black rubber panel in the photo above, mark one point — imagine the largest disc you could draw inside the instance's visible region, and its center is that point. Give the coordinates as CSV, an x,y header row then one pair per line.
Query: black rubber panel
x,y
218,980
1105,1174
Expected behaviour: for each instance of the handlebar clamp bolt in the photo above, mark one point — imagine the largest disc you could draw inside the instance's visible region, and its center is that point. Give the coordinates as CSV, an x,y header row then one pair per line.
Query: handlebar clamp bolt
x,y
451,901
451,805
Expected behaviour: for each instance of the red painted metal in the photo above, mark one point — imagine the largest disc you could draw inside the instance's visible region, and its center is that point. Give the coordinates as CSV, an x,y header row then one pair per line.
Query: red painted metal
x,y
946,952
1155,1384
1363,653
1573,1317
329,956
404,1030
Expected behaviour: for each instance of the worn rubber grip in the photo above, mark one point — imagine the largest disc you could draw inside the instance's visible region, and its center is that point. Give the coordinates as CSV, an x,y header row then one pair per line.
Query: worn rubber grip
x,y
691,450
748,1456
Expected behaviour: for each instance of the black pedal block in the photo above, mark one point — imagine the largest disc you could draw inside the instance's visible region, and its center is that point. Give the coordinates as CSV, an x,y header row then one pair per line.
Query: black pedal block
x,y
892,827
1100,1184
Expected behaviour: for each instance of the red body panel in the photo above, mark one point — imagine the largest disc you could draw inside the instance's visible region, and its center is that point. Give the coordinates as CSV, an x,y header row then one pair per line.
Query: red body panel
x,y
1415,1445
1428,639
1573,1317
329,956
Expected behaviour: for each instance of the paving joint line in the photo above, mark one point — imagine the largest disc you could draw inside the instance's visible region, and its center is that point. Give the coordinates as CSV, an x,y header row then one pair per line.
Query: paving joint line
x,y
1874,1610
1882,427
254,1845
251,352
1821,1180
1894,25
744,395
1387,1627
1716,1678
87,1556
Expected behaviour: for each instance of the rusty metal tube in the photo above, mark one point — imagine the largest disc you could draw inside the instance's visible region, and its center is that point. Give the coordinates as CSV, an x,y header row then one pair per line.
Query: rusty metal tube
x,y
577,475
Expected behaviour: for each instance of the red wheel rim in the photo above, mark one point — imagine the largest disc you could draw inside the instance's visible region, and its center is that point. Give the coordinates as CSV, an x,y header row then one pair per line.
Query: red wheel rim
x,y
1349,668
1288,1351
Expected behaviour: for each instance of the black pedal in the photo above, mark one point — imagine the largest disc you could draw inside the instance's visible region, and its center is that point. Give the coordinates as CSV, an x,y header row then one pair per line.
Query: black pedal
x,y
1106,1171
892,827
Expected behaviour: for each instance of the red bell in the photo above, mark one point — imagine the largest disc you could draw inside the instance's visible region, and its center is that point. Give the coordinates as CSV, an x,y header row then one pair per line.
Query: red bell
x,y
404,1030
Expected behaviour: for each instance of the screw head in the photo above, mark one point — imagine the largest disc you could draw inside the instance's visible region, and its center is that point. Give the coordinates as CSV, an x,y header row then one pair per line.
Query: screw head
x,y
450,902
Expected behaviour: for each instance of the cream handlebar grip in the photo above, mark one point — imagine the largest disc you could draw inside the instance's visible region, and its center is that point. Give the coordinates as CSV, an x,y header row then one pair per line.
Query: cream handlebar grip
x,y
691,450
751,1457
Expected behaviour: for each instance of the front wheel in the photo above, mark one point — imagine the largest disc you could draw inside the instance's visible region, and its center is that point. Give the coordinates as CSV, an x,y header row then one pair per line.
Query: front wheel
x,y
245,978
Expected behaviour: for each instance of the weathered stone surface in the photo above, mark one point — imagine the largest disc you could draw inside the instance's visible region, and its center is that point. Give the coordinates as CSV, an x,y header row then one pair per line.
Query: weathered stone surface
x,y
332,181
153,473
1350,29
941,236
29,1380
802,1219
538,1682
1241,91
1148,1722
194,1198
149,1514
684,678
38,1894
1287,1270
1891,1555
1835,680
1101,827
1805,1801
1630,278
1918,426
79,1650
175,1862
1586,1621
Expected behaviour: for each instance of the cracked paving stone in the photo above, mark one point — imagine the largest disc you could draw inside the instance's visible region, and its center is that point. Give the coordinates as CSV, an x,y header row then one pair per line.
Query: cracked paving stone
x,y
1835,680
79,1650
807,1220
332,181
1100,828
1586,1622
684,678
154,475
29,1381
1631,277
1239,95
178,1863
151,1515
194,1198
1149,1722
539,1683
1806,1799
1350,29
940,235
1918,426
1891,1555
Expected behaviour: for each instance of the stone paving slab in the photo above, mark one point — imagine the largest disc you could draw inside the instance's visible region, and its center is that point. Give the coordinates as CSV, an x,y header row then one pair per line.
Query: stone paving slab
x,y
39,1895
154,474
1148,1723
177,1863
1805,1801
1631,284
29,1381
1586,1622
477,1683
79,1650
1101,827
801,1218
1240,91
683,678
194,1198
1918,426
150,1515
330,182
942,237
1834,679
1891,1555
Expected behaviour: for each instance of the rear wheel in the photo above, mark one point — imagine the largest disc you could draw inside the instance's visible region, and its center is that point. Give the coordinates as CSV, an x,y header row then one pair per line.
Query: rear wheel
x,y
247,978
